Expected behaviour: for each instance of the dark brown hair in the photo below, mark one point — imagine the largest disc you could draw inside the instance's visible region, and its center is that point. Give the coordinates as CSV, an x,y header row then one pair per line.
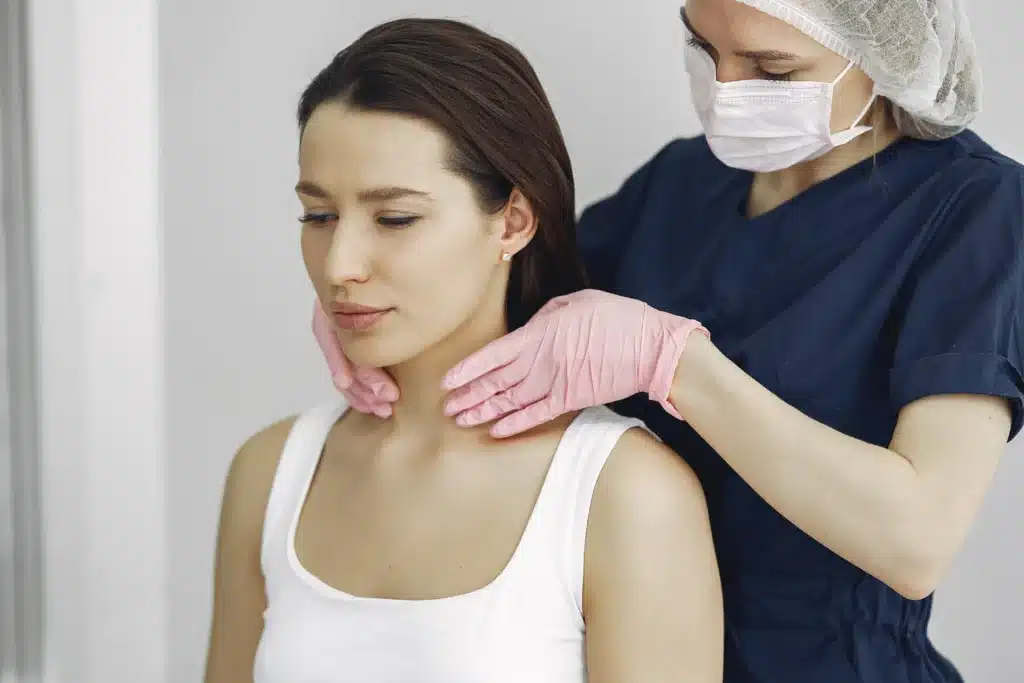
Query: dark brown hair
x,y
484,95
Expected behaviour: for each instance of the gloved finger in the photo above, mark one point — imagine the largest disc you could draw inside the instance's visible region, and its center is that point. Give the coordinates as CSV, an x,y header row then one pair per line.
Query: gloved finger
x,y
330,347
378,383
671,410
503,404
356,402
383,410
484,387
497,354
529,417
363,400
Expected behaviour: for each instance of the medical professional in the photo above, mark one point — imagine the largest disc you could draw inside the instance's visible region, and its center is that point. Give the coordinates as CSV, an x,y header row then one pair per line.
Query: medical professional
x,y
853,254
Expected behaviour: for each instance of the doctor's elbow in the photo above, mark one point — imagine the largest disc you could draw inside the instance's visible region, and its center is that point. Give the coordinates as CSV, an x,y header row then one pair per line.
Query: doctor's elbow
x,y
918,566
914,586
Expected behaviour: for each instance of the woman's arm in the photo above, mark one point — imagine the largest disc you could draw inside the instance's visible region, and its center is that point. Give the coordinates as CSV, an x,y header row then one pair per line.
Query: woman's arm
x,y
900,513
239,596
652,599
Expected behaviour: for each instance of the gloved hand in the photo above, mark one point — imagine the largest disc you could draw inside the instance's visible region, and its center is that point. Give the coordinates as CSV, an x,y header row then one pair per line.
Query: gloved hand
x,y
368,390
583,349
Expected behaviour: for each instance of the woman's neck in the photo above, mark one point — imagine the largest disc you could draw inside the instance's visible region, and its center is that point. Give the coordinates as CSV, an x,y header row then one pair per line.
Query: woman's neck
x,y
420,407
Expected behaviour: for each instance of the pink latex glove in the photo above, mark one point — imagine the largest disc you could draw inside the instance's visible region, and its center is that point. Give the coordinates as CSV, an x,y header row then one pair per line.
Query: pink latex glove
x,y
580,350
368,390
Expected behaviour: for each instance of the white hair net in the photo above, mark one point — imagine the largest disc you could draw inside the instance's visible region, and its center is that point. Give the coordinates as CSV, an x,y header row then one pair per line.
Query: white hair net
x,y
919,53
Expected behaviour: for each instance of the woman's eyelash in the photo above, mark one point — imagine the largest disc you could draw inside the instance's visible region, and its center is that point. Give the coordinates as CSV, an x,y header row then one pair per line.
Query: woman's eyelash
x,y
397,221
317,218
386,221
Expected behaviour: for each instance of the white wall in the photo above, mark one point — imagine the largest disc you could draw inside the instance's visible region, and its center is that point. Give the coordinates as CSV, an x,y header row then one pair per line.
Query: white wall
x,y
228,327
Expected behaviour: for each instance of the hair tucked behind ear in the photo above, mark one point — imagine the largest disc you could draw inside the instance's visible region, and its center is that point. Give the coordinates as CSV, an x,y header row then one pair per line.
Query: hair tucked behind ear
x,y
484,95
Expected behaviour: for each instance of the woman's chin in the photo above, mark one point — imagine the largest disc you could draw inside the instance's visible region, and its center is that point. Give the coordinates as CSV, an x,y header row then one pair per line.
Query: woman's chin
x,y
375,353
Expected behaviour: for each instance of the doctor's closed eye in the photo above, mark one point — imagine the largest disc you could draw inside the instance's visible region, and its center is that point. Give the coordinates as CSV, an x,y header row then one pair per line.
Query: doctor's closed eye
x,y
758,57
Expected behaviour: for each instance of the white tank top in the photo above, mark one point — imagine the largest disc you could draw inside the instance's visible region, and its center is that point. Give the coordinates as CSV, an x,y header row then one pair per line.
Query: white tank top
x,y
526,625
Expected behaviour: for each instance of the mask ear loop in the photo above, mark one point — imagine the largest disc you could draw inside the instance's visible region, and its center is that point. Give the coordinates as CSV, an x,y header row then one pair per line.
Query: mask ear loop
x,y
849,65
854,128
864,111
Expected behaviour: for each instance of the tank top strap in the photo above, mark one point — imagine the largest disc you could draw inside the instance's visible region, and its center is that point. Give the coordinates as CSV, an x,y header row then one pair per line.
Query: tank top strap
x,y
573,475
299,459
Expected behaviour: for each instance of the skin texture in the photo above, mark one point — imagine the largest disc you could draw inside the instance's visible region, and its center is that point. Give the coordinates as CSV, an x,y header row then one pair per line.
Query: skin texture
x,y
414,506
366,248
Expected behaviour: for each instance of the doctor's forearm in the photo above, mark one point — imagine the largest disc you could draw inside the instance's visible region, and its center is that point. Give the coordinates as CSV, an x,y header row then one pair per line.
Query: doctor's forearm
x,y
862,501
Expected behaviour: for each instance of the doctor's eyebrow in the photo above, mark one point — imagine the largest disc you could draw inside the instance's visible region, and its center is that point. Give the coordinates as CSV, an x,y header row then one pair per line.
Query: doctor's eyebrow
x,y
759,55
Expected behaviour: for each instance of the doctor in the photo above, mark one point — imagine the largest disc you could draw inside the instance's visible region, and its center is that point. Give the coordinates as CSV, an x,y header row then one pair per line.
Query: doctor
x,y
855,259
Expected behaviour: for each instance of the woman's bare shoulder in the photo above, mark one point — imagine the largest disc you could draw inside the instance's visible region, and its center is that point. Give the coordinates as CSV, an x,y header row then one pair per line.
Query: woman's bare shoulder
x,y
651,570
646,488
252,470
640,460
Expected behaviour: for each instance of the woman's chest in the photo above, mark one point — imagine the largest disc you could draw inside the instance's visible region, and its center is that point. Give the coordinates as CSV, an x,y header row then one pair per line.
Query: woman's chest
x,y
492,637
415,530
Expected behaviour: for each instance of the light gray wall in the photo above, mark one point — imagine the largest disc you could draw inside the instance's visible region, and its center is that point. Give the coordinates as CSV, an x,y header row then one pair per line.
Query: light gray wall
x,y
100,340
230,309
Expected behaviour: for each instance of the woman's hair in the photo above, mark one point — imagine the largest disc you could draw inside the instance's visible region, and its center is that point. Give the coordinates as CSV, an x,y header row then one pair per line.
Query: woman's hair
x,y
503,135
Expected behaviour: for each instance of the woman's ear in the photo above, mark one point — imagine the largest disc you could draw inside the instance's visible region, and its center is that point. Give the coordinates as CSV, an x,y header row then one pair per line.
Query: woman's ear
x,y
520,223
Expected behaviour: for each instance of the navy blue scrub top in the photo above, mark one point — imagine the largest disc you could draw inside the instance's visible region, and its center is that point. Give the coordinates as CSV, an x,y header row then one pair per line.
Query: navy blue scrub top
x,y
899,278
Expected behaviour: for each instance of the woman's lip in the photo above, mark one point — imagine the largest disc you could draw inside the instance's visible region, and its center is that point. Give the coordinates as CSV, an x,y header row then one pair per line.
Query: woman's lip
x,y
350,308
358,321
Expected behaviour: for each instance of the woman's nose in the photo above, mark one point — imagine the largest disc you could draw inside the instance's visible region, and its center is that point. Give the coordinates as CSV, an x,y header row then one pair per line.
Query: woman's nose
x,y
348,259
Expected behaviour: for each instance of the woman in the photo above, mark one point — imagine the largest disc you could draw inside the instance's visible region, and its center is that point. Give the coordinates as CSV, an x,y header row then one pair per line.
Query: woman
x,y
438,214
857,256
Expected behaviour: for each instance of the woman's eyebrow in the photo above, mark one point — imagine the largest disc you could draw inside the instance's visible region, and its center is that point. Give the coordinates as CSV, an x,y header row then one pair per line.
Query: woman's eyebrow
x,y
375,194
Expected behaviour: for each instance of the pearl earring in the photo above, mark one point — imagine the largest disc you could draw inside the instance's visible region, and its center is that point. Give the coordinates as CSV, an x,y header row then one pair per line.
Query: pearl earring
x,y
506,257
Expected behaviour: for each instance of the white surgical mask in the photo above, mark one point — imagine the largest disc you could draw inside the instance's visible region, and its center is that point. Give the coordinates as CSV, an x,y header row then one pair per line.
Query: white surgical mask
x,y
764,125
